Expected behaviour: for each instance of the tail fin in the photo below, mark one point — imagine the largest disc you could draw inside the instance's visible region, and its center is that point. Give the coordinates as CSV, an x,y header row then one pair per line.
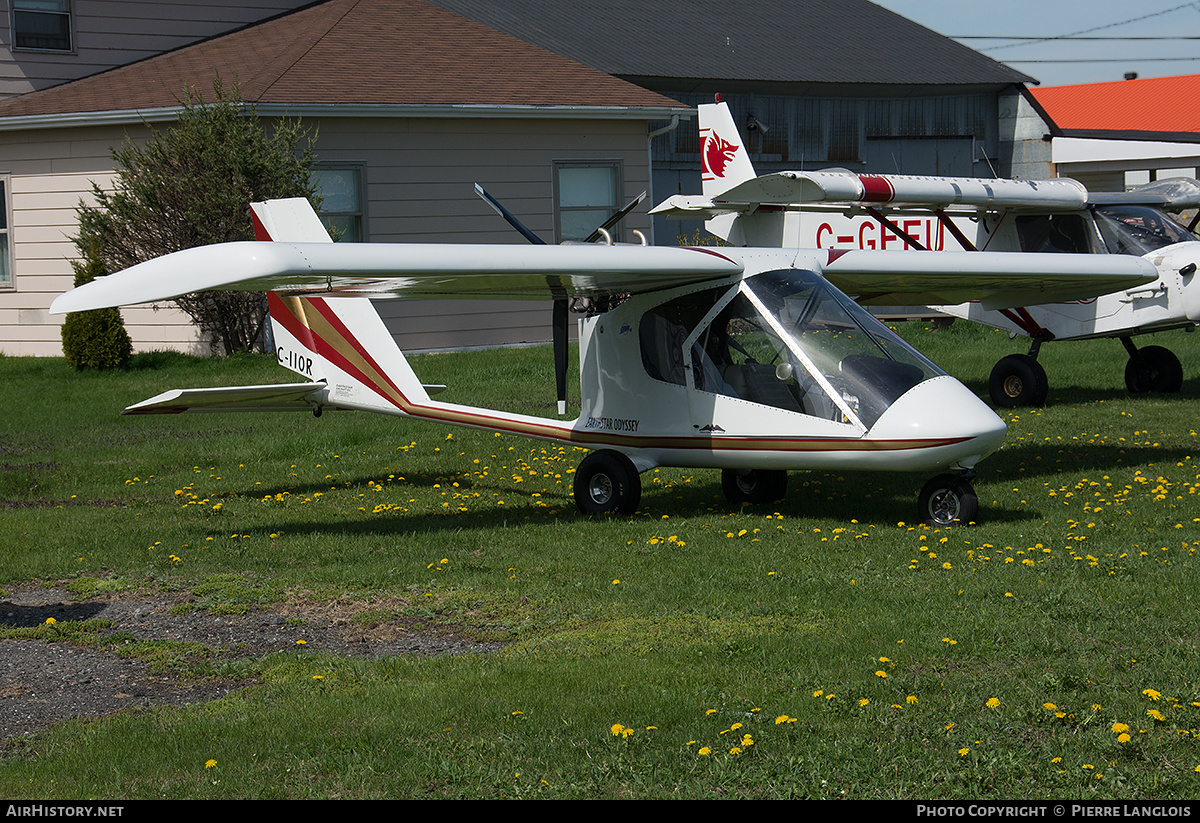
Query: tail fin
x,y
725,163
341,342
288,221
344,343
724,160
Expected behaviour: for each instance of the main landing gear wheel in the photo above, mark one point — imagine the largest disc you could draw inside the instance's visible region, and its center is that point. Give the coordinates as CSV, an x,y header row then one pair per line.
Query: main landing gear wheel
x,y
1153,369
1018,380
948,500
754,485
606,482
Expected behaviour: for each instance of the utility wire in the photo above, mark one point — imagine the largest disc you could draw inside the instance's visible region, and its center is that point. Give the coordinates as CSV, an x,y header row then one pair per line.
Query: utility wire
x,y
1101,28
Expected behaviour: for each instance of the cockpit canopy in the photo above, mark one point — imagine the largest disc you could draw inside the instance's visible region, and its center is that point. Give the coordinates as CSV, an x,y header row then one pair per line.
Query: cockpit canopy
x,y
785,339
1138,230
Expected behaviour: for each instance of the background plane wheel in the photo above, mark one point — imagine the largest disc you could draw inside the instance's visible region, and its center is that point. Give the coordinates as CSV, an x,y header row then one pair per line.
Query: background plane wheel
x,y
1153,369
754,485
946,500
606,482
1018,380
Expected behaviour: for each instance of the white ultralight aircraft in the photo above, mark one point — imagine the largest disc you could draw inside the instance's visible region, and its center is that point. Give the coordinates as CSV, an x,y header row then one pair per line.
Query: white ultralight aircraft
x,y
837,209
752,361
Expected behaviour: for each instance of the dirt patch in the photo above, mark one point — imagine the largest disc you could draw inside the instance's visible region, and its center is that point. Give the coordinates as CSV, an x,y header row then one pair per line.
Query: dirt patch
x,y
46,682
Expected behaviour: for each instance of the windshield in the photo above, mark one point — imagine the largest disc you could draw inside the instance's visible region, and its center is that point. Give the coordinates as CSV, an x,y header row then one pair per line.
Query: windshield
x,y
1138,230
866,364
785,339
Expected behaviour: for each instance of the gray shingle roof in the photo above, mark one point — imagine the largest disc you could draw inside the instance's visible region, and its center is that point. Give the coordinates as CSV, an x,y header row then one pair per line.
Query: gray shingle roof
x,y
353,52
775,41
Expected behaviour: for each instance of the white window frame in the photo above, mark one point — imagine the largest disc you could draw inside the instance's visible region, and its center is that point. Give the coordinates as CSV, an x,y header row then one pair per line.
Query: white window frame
x,y
7,279
357,214
560,210
41,8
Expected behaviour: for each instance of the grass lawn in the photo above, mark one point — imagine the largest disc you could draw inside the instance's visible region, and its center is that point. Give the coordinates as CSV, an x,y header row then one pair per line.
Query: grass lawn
x,y
826,646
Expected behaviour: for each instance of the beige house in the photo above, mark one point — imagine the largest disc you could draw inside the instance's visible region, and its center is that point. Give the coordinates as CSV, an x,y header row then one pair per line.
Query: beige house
x,y
413,105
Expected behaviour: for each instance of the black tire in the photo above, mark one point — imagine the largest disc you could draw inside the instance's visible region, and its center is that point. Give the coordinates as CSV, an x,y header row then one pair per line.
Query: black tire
x,y
1153,369
1018,380
606,482
948,500
754,485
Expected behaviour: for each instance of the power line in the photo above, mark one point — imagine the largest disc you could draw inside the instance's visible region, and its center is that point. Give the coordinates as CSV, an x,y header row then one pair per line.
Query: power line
x,y
1111,60
1074,39
1106,26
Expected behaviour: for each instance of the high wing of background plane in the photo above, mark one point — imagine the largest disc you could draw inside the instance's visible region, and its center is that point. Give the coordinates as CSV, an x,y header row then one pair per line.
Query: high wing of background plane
x,y
841,211
746,360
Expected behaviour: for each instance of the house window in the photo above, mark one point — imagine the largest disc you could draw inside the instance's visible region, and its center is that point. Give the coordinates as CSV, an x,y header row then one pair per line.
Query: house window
x,y
42,24
5,237
585,195
343,209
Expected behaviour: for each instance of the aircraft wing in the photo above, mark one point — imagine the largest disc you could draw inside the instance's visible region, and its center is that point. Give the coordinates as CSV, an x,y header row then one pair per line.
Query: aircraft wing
x,y
848,189
402,270
997,280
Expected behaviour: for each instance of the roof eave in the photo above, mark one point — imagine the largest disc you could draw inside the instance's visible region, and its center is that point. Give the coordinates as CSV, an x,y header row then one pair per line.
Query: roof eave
x,y
463,111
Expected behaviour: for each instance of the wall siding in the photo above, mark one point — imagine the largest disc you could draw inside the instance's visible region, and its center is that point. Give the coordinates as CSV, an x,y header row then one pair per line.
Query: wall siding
x,y
111,33
419,176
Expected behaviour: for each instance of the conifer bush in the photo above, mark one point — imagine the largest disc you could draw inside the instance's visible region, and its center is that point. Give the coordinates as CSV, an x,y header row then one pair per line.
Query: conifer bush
x,y
95,339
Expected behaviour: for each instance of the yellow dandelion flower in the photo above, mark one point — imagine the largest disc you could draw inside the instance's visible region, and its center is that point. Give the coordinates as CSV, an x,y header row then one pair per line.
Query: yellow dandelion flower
x,y
704,750
1120,728
1050,707
208,764
1153,695
911,699
993,702
881,673
964,751
1122,738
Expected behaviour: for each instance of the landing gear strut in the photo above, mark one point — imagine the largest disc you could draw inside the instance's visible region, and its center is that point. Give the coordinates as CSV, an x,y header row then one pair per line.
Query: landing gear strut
x,y
948,500
1151,369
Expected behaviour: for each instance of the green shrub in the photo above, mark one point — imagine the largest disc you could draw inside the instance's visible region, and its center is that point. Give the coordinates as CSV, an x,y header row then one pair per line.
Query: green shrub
x,y
95,339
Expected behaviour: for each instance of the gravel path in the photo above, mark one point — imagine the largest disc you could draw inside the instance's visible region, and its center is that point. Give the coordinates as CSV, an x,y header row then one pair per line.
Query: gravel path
x,y
43,683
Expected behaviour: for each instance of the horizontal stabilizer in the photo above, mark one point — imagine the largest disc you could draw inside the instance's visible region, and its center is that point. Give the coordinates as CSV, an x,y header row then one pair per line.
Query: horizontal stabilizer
x,y
280,397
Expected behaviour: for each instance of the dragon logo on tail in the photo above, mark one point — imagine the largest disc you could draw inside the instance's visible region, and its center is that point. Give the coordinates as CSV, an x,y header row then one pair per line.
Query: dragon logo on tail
x,y
717,154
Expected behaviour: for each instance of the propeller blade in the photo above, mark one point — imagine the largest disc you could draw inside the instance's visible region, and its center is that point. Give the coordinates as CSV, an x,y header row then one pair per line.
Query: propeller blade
x,y
509,216
616,218
560,331
560,320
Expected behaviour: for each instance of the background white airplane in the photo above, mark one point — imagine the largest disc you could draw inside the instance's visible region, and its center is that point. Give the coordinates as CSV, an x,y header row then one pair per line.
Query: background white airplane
x,y
751,361
838,209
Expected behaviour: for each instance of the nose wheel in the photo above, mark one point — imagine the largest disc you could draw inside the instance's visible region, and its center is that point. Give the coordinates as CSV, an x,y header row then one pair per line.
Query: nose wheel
x,y
948,500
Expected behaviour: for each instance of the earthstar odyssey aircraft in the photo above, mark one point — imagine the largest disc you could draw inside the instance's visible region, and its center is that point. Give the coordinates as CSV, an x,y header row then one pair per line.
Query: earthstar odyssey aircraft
x,y
748,360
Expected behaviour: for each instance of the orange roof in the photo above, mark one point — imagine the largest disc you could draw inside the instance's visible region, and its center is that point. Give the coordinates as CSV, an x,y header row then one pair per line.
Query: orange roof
x,y
351,52
1159,104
